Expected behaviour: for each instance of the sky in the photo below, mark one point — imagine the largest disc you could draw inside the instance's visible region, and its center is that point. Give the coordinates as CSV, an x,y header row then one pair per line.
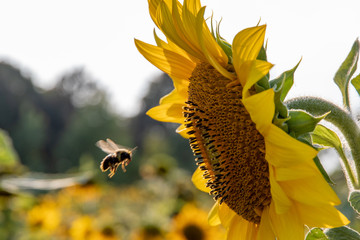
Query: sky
x,y
48,38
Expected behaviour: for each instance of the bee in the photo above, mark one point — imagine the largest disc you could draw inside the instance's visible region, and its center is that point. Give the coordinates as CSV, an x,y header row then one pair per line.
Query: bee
x,y
116,155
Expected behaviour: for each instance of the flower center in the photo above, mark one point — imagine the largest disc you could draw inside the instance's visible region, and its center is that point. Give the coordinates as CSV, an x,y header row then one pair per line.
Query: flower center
x,y
229,149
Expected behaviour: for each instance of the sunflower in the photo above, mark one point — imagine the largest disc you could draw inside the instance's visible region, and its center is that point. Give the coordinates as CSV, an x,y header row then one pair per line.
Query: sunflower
x,y
264,181
191,224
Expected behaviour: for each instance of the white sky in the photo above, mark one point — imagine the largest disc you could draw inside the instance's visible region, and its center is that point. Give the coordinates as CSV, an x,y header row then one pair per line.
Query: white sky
x,y
47,38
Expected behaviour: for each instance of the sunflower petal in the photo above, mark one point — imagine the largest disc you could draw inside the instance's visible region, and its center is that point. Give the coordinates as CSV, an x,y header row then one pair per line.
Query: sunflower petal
x,y
226,215
168,112
183,131
246,46
281,201
283,150
213,216
265,229
313,190
241,229
199,181
325,216
211,59
258,70
169,62
261,108
287,225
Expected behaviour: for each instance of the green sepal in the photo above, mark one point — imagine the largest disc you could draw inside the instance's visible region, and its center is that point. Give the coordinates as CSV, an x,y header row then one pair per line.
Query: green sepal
x,y
345,72
354,200
279,105
284,82
316,234
301,122
225,46
281,122
342,233
263,83
356,83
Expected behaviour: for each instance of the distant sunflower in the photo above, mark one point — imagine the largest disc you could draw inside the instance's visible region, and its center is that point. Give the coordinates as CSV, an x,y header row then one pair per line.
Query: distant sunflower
x,y
191,224
264,181
45,216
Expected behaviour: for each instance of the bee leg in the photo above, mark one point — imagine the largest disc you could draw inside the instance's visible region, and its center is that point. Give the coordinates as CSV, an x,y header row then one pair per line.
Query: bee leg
x,y
123,166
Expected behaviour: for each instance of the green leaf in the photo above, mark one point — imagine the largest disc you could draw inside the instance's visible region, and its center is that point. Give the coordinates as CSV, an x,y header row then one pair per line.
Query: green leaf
x,y
8,156
316,234
302,122
342,233
345,72
356,83
284,82
323,171
325,137
354,200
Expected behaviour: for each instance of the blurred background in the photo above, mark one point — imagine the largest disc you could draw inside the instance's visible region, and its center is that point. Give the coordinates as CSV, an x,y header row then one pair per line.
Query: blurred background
x,y
70,75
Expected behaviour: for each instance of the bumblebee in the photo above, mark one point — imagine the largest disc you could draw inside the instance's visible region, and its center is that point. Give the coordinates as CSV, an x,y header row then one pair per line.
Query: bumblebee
x,y
116,155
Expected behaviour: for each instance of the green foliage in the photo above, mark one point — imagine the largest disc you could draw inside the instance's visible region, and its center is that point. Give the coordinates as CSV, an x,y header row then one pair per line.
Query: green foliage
x,y
8,156
354,200
301,122
316,234
346,71
356,83
342,233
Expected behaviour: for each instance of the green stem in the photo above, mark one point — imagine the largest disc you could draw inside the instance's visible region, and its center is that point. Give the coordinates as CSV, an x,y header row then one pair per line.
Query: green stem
x,y
341,119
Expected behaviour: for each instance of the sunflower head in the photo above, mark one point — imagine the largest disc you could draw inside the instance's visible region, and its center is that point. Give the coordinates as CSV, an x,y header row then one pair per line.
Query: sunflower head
x,y
247,145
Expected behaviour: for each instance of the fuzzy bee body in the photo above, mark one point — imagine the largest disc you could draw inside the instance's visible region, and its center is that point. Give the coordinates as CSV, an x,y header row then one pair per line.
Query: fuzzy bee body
x,y
116,155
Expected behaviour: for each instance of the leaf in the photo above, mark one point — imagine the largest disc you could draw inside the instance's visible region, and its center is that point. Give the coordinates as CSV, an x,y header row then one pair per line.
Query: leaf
x,y
302,122
346,70
325,137
284,82
8,156
356,83
354,200
342,233
316,234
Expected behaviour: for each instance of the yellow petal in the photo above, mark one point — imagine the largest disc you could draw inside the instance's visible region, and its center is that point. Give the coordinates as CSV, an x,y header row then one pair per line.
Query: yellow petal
x,y
246,46
265,229
168,112
167,25
313,190
169,62
299,171
258,70
325,216
261,108
226,215
241,229
279,198
283,150
213,216
288,225
213,60
199,181
183,131
174,97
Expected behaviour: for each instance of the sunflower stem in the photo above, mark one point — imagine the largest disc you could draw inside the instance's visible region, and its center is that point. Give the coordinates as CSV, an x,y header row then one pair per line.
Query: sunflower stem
x,y
342,120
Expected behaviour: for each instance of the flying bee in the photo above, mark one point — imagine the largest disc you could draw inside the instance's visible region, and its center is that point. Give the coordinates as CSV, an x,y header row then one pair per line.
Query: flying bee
x,y
116,155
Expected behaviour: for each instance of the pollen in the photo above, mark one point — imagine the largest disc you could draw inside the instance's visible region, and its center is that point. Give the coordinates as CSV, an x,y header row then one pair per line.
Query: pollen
x,y
228,148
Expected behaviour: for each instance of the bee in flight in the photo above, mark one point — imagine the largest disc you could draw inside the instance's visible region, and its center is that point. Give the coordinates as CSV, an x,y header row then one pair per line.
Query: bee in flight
x,y
116,155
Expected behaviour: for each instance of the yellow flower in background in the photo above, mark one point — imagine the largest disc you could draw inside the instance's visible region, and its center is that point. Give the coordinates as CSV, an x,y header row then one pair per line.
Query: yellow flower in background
x,y
264,181
191,224
45,216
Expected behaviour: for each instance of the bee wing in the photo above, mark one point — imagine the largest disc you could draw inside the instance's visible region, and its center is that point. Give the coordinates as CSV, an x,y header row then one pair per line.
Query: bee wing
x,y
116,146
105,146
